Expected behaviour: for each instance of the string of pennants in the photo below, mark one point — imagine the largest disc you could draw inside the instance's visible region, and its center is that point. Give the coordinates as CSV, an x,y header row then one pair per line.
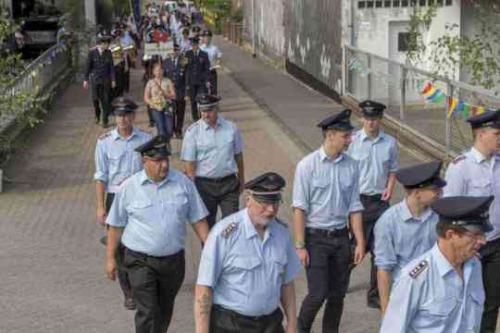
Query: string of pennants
x,y
456,107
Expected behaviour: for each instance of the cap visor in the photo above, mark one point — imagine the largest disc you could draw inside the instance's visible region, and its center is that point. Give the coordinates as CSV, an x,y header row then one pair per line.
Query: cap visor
x,y
439,183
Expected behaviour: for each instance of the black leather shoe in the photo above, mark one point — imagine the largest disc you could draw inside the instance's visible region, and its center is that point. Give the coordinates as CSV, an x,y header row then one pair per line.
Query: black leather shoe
x,y
129,304
373,303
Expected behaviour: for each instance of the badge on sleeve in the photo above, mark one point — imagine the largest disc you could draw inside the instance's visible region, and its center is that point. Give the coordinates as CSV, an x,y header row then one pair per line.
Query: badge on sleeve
x,y
229,229
421,266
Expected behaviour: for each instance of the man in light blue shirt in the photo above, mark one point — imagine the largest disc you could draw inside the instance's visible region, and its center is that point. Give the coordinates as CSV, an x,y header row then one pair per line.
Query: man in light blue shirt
x,y
377,156
442,291
115,161
407,229
325,202
212,152
214,55
150,214
248,266
477,173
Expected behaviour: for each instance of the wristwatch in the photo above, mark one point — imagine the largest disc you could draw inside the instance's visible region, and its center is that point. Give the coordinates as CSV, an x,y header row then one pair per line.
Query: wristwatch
x,y
300,244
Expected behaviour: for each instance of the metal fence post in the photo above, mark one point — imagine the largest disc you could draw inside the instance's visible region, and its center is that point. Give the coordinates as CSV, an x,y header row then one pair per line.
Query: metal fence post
x,y
370,76
402,99
344,71
447,122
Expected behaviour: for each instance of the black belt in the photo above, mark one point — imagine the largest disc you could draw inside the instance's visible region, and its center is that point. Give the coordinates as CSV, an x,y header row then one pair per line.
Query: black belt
x,y
373,197
217,180
328,233
145,256
263,318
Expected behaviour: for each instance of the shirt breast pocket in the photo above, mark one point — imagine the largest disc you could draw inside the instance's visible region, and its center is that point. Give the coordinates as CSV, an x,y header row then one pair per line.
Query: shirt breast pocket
x,y
346,185
243,266
115,159
142,209
320,187
480,187
436,312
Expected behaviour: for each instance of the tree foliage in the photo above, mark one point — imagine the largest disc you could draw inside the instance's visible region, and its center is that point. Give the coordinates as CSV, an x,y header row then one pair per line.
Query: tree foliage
x,y
477,54
14,103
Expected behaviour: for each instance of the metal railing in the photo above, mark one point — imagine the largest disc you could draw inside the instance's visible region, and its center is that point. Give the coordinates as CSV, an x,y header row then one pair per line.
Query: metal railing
x,y
38,77
400,87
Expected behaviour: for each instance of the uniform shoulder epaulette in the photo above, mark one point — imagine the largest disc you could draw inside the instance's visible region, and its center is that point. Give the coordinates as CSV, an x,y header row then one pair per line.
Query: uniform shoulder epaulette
x,y
105,135
281,222
229,229
458,159
190,127
421,266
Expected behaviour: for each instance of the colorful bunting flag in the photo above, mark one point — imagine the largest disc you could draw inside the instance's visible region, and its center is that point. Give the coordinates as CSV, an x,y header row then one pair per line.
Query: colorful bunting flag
x,y
455,106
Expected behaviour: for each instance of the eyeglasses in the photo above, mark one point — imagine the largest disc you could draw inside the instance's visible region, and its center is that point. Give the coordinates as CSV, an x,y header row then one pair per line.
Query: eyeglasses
x,y
474,235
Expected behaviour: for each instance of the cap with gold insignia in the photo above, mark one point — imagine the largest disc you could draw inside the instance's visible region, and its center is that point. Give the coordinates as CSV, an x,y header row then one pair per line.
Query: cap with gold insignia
x,y
123,105
421,175
154,148
266,187
206,102
372,109
468,212
489,118
340,121
103,37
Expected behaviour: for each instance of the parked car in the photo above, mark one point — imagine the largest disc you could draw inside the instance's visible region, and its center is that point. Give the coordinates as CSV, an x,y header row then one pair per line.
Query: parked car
x,y
40,34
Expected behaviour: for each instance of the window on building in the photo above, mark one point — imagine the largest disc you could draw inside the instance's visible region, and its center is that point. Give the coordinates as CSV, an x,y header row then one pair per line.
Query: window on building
x,y
361,4
369,4
422,3
387,3
439,2
395,3
449,2
404,3
378,4
431,2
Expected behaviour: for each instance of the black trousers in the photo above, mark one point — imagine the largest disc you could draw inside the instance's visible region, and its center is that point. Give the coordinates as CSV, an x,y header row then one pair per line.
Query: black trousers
x,y
490,258
155,283
374,208
120,254
212,79
223,192
179,110
194,91
101,98
126,81
327,277
227,321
